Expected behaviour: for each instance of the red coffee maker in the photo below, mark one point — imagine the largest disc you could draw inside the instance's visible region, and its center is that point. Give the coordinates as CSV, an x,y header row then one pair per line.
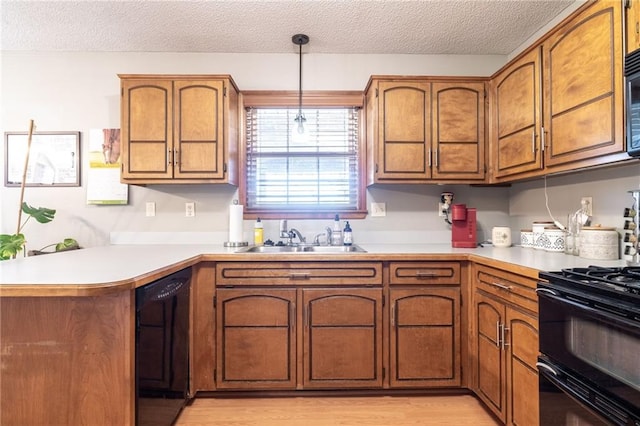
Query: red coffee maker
x,y
463,226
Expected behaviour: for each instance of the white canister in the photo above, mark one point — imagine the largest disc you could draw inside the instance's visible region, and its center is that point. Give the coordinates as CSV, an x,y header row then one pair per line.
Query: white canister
x,y
526,238
554,239
598,242
539,240
501,236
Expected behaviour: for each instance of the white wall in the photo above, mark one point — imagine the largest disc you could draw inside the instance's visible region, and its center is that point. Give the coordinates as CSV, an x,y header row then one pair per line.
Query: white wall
x,y
81,91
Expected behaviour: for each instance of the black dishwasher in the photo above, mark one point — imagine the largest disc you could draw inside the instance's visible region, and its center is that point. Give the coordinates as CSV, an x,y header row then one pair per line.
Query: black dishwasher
x,y
162,349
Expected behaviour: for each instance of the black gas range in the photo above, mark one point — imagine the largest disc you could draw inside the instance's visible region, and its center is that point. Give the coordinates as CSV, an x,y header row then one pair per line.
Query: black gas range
x,y
589,331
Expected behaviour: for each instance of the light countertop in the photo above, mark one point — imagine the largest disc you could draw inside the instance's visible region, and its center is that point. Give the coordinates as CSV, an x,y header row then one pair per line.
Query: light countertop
x,y
117,265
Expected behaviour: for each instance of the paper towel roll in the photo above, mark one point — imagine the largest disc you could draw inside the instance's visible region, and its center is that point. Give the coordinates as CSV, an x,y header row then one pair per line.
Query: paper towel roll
x,y
235,223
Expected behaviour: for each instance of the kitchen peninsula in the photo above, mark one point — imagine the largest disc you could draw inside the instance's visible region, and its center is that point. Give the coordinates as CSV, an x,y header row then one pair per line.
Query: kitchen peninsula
x,y
67,320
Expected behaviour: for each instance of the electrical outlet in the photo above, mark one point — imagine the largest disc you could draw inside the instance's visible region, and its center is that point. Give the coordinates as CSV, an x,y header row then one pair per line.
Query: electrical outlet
x,y
587,204
189,209
151,209
378,209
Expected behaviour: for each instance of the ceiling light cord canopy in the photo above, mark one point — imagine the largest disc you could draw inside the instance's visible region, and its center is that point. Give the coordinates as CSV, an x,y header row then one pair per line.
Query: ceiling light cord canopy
x,y
300,40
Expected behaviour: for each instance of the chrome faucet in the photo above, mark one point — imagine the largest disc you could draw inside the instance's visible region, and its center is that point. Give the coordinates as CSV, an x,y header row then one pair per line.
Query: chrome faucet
x,y
290,234
327,233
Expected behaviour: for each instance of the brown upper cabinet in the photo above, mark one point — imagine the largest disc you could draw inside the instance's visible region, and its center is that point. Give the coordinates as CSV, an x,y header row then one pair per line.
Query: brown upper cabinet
x,y
560,105
424,129
179,129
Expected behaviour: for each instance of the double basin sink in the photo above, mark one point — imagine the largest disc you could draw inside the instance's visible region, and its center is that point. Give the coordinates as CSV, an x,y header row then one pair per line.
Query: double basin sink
x,y
303,248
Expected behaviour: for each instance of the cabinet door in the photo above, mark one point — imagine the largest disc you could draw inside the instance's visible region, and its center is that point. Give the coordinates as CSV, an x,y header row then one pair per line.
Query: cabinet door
x,y
489,319
199,129
342,338
256,339
515,139
147,148
425,337
632,13
583,86
522,374
458,131
404,136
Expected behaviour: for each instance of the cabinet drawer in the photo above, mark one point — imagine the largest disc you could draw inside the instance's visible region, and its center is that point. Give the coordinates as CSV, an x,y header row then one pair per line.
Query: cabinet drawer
x,y
298,273
424,273
507,286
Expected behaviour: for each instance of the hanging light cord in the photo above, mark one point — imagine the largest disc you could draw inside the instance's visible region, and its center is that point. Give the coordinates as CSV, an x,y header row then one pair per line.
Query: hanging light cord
x,y
300,116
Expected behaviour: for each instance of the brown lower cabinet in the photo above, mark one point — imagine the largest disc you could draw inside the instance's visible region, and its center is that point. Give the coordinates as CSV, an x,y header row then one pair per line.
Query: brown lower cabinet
x,y
299,325
506,345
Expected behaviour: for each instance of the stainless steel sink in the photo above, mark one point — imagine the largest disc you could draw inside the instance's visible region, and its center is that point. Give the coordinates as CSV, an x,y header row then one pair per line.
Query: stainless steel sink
x,y
302,249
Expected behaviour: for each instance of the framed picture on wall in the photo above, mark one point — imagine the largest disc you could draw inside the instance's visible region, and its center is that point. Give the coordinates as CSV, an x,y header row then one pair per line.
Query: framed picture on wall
x,y
54,159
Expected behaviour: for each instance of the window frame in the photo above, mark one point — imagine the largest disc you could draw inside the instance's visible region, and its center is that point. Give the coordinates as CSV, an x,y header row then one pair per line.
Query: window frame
x,y
313,99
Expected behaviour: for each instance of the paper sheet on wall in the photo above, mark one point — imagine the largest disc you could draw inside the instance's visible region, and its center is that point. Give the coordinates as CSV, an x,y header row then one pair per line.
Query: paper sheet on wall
x,y
103,185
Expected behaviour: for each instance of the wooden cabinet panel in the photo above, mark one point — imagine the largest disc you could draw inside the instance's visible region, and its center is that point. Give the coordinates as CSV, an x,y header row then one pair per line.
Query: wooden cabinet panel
x,y
421,129
425,337
404,131
147,125
342,338
515,140
491,367
421,273
585,101
509,287
179,129
632,14
458,130
256,339
298,273
522,373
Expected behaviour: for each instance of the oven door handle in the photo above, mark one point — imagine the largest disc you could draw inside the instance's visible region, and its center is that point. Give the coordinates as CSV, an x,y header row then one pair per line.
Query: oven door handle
x,y
599,313
542,365
547,291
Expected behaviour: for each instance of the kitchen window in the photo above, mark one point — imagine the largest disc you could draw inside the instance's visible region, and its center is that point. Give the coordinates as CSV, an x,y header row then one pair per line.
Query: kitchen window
x,y
314,174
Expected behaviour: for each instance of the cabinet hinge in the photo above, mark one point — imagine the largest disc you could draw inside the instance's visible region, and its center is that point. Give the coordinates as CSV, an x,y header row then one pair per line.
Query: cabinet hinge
x,y
224,91
214,373
384,300
376,92
215,302
384,373
121,92
376,167
485,93
224,167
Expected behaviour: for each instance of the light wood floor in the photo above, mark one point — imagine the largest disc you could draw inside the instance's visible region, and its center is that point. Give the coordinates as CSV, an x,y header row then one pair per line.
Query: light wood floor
x,y
343,411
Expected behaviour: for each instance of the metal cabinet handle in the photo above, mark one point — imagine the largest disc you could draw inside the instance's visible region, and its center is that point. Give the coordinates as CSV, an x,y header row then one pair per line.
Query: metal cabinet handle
x,y
422,274
299,276
543,138
436,158
176,159
429,157
502,286
505,329
498,333
533,141
393,315
169,157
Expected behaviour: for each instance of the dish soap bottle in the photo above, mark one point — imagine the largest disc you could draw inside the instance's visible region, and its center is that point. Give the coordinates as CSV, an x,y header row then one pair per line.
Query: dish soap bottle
x,y
258,233
336,234
347,237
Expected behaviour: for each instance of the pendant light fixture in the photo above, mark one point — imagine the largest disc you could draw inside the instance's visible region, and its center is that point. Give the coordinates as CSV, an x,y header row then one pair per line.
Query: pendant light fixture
x,y
300,40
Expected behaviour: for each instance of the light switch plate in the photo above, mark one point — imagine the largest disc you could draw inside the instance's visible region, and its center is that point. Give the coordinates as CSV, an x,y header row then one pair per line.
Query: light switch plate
x,y
189,209
151,209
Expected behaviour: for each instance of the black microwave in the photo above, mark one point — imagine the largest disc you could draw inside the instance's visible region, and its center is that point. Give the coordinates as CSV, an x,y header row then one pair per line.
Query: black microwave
x,y
632,79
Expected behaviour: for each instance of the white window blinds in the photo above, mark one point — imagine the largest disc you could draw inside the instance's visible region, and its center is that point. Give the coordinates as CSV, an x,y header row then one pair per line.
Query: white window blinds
x,y
313,171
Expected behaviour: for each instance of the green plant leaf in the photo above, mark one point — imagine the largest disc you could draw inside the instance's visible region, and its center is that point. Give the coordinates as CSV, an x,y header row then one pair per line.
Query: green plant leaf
x,y
41,214
66,244
10,245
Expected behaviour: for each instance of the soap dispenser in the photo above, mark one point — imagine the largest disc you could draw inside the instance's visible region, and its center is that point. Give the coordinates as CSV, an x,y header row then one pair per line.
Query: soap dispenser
x,y
347,236
336,234
258,233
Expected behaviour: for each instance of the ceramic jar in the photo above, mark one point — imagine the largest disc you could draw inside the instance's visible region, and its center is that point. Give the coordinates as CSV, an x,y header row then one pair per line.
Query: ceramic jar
x,y
501,236
526,238
554,239
539,240
597,242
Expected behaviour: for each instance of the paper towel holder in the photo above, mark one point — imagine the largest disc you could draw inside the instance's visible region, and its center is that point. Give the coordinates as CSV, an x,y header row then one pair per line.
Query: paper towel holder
x,y
231,243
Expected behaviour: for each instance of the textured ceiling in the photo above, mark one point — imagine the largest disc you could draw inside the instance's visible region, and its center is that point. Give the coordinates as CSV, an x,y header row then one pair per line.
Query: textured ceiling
x,y
266,26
